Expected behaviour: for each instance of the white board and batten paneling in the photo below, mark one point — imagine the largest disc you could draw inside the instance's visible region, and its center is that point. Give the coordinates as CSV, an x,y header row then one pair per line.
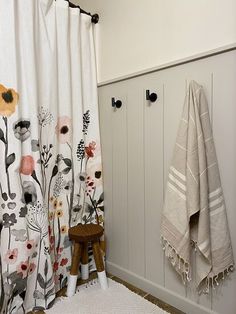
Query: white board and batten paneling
x,y
137,145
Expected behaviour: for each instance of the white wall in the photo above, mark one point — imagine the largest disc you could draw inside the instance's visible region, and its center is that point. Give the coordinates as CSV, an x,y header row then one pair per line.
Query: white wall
x,y
137,144
135,35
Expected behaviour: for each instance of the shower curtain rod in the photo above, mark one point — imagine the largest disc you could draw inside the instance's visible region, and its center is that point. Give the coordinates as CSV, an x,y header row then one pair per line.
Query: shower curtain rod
x,y
94,17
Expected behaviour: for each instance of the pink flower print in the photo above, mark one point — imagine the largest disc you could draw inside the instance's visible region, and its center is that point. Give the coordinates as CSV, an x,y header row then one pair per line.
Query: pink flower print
x,y
52,239
56,279
27,165
55,266
30,246
32,267
90,149
95,171
11,256
64,129
22,268
64,261
59,250
90,186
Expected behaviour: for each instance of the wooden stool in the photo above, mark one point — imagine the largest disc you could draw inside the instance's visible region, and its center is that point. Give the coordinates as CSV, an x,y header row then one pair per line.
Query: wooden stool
x,y
81,235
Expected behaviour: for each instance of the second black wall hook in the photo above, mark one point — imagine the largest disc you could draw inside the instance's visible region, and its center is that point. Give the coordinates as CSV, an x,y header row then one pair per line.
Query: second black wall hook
x,y
151,97
116,103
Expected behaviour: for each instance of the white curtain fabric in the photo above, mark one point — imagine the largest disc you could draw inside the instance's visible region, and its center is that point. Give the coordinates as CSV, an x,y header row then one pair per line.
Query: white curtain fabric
x,y
50,157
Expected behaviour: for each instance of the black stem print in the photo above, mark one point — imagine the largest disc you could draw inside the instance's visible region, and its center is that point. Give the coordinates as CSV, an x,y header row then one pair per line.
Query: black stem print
x,y
49,190
86,163
68,202
9,246
81,165
1,191
94,191
39,254
73,185
34,176
45,291
54,173
22,305
13,307
6,154
40,153
59,235
45,182
45,156
53,235
95,209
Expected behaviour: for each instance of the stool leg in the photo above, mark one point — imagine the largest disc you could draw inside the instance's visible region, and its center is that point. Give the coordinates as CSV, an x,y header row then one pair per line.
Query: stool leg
x,y
84,262
100,265
72,280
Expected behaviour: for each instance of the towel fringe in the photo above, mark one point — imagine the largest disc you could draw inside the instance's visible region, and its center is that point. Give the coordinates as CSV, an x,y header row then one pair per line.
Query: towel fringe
x,y
215,280
176,260
183,268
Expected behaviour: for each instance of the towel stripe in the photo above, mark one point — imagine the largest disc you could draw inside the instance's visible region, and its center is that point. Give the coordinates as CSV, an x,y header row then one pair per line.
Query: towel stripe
x,y
216,192
218,210
177,191
179,174
216,201
177,182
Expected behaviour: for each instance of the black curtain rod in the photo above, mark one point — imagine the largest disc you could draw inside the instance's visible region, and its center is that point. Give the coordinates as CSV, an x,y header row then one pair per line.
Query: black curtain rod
x,y
94,17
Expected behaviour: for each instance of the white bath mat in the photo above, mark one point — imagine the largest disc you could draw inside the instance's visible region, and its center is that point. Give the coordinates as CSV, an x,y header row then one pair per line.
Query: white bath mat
x,y
117,299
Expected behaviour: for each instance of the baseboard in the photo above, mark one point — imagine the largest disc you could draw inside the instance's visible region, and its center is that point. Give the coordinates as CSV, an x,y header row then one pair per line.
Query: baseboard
x,y
184,304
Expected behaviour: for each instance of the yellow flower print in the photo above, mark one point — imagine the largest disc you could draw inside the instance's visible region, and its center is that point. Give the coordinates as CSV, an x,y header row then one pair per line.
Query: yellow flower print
x,y
51,216
55,204
59,213
100,219
63,229
8,101
51,199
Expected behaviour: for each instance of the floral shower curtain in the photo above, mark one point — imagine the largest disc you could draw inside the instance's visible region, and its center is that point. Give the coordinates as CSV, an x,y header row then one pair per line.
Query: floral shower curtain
x,y
50,157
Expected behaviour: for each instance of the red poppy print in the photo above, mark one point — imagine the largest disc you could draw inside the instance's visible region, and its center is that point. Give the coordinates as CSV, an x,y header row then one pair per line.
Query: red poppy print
x,y
27,165
11,256
89,150
64,261
22,268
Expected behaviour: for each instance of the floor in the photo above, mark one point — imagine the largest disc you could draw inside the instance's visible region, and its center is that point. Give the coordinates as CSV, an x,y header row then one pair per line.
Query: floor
x,y
168,308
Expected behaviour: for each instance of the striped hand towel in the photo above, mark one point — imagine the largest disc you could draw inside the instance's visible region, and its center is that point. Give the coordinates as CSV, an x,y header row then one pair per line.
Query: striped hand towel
x,y
194,214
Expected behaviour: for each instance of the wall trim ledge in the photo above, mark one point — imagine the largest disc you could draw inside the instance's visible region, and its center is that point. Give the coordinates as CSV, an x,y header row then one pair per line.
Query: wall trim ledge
x,y
172,64
158,291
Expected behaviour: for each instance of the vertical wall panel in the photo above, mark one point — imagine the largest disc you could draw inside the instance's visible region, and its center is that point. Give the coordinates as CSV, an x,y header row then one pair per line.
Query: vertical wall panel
x,y
153,156
120,192
174,92
224,128
135,135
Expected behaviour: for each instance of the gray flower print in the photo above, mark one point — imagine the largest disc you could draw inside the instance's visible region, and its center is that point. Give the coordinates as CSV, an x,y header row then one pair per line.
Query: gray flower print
x,y
35,145
9,220
29,193
22,130
20,235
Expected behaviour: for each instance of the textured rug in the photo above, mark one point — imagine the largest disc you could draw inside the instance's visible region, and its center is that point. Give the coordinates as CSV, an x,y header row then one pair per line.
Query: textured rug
x,y
90,299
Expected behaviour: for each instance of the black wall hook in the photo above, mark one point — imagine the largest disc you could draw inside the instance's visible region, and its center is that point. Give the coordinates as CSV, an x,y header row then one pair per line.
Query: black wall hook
x,y
151,97
116,103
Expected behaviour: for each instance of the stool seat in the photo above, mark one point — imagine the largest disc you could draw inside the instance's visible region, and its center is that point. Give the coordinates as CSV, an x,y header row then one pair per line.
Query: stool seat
x,y
85,233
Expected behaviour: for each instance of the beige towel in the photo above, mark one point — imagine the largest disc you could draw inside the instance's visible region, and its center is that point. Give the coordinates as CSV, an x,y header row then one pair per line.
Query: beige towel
x,y
194,214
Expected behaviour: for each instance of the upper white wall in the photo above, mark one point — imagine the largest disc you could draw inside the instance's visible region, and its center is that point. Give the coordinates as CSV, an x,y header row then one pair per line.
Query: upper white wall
x,y
135,35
